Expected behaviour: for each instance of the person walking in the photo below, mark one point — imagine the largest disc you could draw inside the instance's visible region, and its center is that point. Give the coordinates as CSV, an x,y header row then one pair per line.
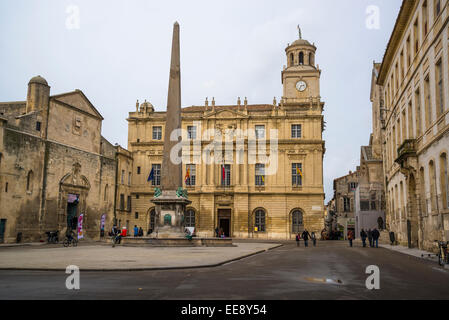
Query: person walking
x,y
306,236
363,235
313,237
370,237
350,237
140,232
298,239
136,231
376,235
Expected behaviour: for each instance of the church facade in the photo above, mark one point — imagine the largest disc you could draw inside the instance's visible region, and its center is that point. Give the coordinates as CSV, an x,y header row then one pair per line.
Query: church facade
x,y
233,186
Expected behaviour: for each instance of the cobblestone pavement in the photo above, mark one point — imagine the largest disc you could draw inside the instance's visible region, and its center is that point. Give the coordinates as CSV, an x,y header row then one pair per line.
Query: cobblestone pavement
x,y
332,270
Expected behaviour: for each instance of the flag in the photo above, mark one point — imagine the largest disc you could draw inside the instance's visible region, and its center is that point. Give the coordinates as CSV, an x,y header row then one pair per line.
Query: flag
x,y
298,171
187,175
80,227
223,173
151,176
263,179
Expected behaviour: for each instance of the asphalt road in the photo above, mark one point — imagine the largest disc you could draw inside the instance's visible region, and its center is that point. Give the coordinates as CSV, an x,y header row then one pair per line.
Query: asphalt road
x,y
286,273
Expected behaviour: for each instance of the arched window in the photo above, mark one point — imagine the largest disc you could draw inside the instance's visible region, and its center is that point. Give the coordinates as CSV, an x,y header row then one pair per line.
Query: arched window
x,y
152,219
444,181
311,59
292,59
297,221
422,201
260,220
30,181
189,220
301,58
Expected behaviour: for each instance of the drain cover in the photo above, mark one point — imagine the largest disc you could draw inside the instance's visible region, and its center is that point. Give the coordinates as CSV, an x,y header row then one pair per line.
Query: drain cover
x,y
324,280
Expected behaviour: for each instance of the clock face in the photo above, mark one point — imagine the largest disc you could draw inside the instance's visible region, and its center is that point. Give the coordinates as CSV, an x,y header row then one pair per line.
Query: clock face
x,y
301,86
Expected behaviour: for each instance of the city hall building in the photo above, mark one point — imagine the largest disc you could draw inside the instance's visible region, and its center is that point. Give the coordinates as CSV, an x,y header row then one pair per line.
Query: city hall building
x,y
237,194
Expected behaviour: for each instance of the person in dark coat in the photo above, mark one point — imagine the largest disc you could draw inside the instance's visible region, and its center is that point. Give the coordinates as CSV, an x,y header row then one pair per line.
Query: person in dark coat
x,y
298,239
363,235
376,236
140,232
313,237
370,237
306,236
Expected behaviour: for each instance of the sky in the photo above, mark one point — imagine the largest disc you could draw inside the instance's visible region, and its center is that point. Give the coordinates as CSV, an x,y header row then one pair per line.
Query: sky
x,y
119,51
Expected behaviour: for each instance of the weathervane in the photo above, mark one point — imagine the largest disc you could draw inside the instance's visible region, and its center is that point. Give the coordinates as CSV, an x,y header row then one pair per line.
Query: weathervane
x,y
299,31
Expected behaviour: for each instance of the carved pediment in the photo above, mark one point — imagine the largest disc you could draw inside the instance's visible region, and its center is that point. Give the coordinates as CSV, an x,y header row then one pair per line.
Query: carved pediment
x,y
75,179
78,100
226,114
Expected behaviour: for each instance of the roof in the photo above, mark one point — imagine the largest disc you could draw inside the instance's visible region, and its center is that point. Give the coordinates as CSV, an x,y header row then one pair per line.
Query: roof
x,y
38,79
254,107
398,30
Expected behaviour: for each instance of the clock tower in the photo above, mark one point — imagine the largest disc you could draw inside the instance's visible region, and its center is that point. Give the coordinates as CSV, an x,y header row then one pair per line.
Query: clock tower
x,y
300,78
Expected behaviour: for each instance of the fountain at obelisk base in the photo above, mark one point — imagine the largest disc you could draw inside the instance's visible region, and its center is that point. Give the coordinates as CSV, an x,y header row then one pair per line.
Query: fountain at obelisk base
x,y
171,200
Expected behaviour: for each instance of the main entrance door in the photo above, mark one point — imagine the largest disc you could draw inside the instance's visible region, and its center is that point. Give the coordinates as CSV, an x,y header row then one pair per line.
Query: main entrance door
x,y
224,221
72,211
2,230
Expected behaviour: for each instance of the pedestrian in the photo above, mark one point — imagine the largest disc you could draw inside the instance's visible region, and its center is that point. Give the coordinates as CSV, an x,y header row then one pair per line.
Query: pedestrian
x,y
376,235
140,232
350,237
216,232
136,231
363,235
306,236
370,238
313,236
298,238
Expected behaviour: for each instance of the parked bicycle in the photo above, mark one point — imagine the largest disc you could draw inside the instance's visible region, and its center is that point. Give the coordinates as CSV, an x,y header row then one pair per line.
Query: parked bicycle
x,y
443,253
52,236
70,240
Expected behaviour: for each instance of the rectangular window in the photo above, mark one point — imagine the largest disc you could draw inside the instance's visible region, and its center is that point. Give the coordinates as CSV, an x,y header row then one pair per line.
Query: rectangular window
x,y
364,205
157,133
122,202
260,132
440,88
296,131
425,18
123,177
191,132
38,126
352,186
346,204
409,53
437,8
260,221
297,174
410,133
137,196
191,181
416,36
260,174
128,204
428,106
6,187
226,178
129,178
136,215
418,113
157,175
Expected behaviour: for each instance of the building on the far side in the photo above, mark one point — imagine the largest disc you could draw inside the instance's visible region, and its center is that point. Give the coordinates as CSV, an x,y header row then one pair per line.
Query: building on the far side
x,y
414,85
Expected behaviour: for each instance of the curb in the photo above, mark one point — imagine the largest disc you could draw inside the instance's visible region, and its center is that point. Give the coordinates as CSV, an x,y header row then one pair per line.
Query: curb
x,y
150,269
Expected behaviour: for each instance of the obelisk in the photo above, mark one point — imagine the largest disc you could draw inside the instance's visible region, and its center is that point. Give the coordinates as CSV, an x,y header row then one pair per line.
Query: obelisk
x,y
171,200
172,173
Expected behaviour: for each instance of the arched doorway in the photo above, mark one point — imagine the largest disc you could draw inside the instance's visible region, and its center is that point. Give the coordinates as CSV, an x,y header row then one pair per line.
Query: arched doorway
x,y
297,221
412,214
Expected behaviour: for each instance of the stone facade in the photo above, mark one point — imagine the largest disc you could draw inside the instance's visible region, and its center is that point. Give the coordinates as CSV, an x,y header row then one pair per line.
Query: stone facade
x,y
50,149
414,86
243,205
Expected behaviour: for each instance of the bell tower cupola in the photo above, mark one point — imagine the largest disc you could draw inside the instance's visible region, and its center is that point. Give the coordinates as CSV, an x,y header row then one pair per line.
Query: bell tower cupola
x,y
300,77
